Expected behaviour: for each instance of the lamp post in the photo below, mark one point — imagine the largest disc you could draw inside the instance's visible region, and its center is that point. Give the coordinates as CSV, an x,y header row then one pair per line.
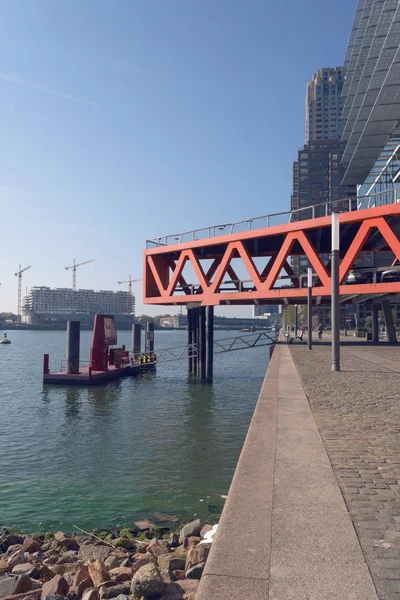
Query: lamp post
x,y
296,320
335,297
309,306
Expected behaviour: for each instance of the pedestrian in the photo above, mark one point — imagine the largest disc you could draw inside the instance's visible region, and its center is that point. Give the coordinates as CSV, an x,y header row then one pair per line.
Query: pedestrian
x,y
320,331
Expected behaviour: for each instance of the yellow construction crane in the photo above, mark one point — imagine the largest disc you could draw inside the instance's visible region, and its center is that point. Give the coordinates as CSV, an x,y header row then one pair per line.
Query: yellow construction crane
x,y
19,275
74,267
130,281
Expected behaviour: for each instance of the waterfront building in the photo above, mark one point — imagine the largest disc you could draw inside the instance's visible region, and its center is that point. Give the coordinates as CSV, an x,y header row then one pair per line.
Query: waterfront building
x,y
44,305
174,322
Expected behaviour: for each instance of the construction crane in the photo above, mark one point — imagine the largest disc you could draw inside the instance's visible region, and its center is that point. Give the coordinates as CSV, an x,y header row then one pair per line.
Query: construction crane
x,y
19,275
130,281
74,267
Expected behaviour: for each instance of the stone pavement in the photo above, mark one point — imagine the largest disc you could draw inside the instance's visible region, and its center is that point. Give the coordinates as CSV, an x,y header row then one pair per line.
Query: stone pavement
x,y
285,532
358,415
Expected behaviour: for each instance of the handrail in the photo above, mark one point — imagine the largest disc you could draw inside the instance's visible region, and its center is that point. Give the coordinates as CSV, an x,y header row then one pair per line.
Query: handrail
x,y
315,210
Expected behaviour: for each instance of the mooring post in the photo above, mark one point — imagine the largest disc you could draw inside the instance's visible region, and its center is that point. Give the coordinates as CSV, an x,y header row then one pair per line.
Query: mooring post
x,y
136,338
73,347
209,343
202,344
149,343
190,339
195,338
46,358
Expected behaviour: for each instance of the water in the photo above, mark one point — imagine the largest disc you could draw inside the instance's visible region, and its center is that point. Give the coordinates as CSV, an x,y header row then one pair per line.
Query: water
x,y
102,456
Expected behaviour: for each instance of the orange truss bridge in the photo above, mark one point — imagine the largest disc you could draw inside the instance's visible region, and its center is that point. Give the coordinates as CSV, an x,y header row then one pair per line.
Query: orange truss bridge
x,y
266,250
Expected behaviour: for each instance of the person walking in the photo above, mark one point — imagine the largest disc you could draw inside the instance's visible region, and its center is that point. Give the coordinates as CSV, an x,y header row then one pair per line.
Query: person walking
x,y
320,331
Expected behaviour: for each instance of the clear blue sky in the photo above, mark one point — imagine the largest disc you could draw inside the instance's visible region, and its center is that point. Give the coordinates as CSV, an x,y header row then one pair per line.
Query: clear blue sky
x,y
130,119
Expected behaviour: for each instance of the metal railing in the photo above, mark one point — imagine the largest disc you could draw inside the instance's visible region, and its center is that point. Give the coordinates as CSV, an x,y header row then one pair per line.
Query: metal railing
x,y
243,342
308,212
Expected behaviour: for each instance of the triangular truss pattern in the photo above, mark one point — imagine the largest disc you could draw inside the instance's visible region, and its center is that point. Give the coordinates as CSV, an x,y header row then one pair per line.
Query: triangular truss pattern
x,y
165,282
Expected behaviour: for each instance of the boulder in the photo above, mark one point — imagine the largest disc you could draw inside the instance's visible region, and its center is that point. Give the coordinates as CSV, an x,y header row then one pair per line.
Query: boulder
x,y
186,586
115,590
172,561
17,558
39,571
191,541
125,542
192,528
197,554
178,574
66,541
90,594
94,552
155,548
55,587
204,529
85,584
112,562
81,574
126,562
12,540
121,574
30,545
4,566
32,595
22,568
54,597
147,582
98,572
195,572
15,584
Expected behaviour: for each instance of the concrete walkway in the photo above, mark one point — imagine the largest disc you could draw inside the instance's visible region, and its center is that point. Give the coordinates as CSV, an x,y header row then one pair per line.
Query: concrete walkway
x,y
285,532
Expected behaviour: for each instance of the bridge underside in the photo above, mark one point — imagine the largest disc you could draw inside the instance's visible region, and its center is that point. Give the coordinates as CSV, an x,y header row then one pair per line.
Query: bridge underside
x,y
210,271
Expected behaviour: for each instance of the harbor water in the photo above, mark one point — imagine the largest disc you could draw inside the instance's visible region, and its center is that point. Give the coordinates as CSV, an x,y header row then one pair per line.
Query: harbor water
x,y
107,455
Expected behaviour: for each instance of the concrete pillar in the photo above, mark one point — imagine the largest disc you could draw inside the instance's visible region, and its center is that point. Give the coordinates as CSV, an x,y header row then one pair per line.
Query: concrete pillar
x,y
136,338
209,343
73,346
375,323
390,328
149,342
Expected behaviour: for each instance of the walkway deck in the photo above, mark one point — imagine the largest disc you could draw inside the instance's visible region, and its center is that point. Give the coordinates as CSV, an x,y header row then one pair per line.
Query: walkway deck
x,y
285,532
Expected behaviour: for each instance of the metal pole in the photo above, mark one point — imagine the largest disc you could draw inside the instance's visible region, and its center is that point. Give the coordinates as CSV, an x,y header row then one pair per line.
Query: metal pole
x,y
195,338
309,307
335,296
296,319
210,343
73,346
149,343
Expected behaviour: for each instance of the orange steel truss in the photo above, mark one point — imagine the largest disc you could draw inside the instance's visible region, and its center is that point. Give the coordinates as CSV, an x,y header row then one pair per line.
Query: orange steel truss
x,y
370,230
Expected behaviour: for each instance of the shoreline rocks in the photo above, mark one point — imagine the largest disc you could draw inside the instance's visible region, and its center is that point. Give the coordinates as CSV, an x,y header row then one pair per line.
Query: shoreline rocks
x,y
126,564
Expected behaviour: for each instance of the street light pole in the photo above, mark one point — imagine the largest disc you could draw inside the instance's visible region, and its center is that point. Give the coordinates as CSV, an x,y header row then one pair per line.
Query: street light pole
x,y
335,297
309,306
296,320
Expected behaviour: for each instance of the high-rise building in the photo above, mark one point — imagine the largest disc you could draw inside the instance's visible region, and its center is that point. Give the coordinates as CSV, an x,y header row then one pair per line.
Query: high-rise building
x,y
324,105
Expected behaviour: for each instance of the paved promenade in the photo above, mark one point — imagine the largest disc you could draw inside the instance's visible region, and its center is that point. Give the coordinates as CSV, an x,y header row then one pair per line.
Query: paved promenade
x,y
285,532
358,415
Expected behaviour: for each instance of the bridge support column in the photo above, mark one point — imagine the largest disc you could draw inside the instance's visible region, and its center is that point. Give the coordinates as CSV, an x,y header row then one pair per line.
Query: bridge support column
x,y
209,343
389,322
375,323
195,334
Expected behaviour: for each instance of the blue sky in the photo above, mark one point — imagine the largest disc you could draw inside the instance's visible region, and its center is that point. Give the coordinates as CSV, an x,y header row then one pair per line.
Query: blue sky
x,y
126,120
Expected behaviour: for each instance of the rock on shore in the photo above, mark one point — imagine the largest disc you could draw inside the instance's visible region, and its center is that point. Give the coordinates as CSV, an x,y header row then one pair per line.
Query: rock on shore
x,y
127,565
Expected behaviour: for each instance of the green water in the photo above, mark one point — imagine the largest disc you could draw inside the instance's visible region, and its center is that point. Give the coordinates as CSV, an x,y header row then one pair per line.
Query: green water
x,y
102,456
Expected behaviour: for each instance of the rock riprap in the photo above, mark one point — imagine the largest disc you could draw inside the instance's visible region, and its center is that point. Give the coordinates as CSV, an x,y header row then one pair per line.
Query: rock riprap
x,y
126,564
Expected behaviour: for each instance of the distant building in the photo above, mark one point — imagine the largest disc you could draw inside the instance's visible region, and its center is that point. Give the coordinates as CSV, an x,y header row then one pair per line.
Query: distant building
x,y
174,322
264,311
45,305
324,105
